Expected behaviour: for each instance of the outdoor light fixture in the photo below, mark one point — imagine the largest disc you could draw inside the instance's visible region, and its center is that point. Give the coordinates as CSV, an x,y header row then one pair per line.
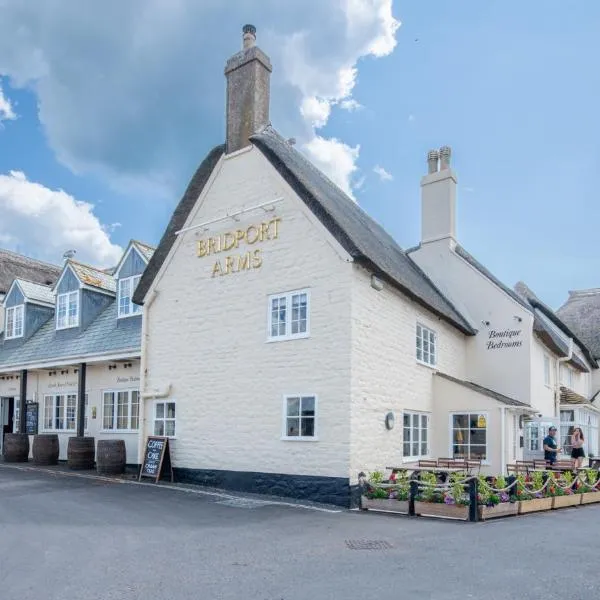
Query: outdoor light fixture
x,y
376,283
390,420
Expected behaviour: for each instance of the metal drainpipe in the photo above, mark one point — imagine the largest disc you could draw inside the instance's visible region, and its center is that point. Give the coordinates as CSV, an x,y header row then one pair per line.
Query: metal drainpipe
x,y
559,361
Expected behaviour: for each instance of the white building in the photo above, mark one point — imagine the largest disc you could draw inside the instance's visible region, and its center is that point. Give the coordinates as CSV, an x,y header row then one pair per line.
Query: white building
x,y
286,332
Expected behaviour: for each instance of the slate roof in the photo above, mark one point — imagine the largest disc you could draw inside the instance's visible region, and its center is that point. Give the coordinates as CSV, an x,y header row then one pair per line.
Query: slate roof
x,y
36,292
93,277
544,318
106,334
16,266
581,312
485,391
364,239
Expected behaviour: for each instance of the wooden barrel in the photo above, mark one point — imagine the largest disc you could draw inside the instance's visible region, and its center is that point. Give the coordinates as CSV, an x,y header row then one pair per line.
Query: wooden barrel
x,y
45,449
80,453
111,457
16,447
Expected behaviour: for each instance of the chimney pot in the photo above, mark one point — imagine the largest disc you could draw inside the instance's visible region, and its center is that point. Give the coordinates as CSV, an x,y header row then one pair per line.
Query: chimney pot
x,y
445,155
432,161
249,36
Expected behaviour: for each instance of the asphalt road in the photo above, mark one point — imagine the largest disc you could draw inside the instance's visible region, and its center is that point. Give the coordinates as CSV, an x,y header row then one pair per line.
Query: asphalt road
x,y
66,538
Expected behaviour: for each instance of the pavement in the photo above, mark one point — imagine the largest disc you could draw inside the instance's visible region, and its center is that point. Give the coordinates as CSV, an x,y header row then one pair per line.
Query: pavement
x,y
65,537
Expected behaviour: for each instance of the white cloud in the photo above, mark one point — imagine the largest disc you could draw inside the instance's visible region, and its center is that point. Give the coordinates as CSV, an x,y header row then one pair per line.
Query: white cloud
x,y
350,104
50,222
382,173
7,112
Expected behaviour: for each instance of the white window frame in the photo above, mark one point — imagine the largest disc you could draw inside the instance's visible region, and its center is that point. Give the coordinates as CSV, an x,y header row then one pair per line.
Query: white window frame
x,y
132,309
415,457
487,432
10,333
299,438
288,335
420,329
547,371
65,418
67,323
164,419
115,416
580,419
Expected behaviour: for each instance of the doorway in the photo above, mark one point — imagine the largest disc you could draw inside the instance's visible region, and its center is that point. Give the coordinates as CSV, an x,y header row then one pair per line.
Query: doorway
x,y
535,432
7,417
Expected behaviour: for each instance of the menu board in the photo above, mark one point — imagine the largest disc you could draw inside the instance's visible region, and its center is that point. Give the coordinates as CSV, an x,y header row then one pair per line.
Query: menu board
x,y
157,459
31,418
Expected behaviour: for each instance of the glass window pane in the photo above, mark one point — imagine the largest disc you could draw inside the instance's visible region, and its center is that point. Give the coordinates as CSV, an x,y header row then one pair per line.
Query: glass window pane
x,y
460,421
170,410
460,436
159,427
407,436
477,452
415,449
406,419
160,410
423,421
135,409
415,421
293,427
406,449
170,428
123,410
308,406
308,427
293,407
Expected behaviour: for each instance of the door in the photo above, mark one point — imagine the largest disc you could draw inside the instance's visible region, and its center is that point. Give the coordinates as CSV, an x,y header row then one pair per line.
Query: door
x,y
535,432
7,414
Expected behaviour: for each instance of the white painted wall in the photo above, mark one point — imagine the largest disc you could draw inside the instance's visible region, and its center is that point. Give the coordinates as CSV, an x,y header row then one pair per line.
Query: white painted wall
x,y
505,370
385,373
208,336
542,395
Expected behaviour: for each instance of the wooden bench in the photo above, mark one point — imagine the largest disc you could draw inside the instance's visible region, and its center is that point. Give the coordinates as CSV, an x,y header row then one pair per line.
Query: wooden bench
x,y
428,463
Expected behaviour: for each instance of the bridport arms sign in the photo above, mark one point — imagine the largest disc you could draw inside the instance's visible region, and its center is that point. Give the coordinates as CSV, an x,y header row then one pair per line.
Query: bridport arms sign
x,y
241,244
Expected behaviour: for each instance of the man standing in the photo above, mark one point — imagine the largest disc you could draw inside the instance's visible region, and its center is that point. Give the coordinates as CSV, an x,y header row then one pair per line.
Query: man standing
x,y
550,447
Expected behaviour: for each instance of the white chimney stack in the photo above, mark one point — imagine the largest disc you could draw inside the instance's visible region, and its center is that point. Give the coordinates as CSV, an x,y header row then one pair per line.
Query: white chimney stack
x,y
438,198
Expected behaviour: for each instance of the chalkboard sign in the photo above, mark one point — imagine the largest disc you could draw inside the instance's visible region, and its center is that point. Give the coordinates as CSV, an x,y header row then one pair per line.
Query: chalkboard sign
x,y
157,459
31,418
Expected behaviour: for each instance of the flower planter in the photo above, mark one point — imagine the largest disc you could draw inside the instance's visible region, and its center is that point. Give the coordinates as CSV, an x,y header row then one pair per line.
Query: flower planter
x,y
438,509
564,501
384,504
535,505
504,509
590,497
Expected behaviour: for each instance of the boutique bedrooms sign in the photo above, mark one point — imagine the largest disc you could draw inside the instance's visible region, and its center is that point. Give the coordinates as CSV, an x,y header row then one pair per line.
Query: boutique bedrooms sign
x,y
235,251
507,338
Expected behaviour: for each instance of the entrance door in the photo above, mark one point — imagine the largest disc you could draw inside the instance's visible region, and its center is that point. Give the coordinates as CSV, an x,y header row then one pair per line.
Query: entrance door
x,y
7,415
535,432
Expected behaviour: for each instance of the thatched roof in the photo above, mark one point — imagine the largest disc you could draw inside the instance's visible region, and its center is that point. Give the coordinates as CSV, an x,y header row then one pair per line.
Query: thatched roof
x,y
16,266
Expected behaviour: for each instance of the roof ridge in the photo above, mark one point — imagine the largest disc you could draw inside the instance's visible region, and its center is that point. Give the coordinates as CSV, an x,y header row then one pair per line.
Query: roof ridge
x,y
81,264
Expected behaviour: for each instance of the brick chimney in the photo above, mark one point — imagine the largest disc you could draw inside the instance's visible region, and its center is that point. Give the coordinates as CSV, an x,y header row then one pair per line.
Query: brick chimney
x,y
248,76
438,198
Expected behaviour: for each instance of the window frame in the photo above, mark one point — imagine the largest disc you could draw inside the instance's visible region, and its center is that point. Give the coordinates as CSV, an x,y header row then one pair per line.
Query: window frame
x,y
12,310
164,401
288,316
299,438
134,309
469,413
429,330
420,414
65,418
77,315
115,416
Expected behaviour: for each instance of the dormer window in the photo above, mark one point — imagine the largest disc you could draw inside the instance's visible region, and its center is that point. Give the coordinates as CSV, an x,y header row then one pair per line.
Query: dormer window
x,y
14,322
67,310
127,286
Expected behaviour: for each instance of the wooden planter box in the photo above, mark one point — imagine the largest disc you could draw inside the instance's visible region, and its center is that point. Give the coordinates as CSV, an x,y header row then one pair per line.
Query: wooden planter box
x,y
504,509
564,501
387,505
436,509
535,505
590,497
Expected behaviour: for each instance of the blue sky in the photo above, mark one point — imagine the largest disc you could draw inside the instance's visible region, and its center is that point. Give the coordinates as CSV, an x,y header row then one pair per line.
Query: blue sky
x,y
116,105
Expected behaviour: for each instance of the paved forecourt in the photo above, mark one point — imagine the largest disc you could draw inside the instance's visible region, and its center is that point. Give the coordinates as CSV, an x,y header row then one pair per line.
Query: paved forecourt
x,y
77,538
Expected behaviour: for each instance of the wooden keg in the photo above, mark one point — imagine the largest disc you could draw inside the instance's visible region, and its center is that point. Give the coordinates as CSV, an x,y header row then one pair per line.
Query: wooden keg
x,y
81,453
45,449
111,457
16,447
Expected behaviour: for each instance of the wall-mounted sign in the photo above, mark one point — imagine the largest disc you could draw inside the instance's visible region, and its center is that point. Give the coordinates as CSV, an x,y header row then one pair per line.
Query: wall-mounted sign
x,y
239,239
481,422
64,384
130,379
507,338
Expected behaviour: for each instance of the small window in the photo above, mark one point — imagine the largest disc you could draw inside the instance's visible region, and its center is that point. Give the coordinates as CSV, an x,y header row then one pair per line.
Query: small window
x,y
546,369
415,435
289,315
67,310
566,376
300,415
426,345
60,412
468,432
14,322
120,410
164,419
126,289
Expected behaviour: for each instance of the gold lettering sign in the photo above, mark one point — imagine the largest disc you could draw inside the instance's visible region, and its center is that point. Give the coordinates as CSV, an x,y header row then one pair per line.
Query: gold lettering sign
x,y
233,240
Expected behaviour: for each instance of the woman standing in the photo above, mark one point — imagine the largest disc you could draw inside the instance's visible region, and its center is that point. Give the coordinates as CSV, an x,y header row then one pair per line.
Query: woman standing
x,y
577,452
